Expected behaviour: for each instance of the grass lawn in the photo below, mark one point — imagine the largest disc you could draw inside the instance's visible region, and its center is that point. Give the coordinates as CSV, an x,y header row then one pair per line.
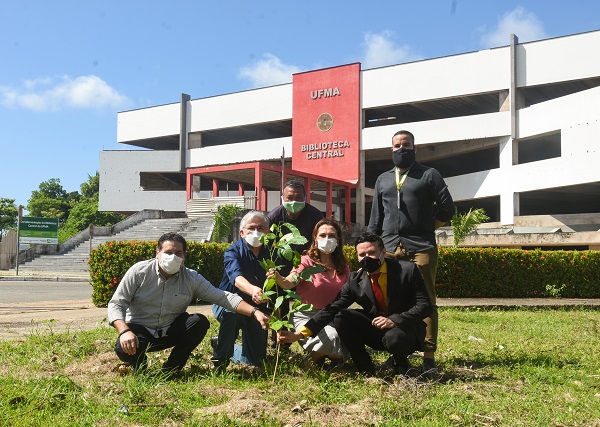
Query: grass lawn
x,y
498,368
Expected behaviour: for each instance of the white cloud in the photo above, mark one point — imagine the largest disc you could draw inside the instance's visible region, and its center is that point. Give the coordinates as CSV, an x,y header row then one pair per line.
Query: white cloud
x,y
525,25
52,94
381,50
268,71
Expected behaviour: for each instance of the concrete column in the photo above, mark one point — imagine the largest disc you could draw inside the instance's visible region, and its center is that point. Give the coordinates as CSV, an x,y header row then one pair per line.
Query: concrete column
x,y
183,131
360,191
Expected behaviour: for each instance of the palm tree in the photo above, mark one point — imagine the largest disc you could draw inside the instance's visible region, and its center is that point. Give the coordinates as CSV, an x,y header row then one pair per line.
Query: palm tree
x,y
464,224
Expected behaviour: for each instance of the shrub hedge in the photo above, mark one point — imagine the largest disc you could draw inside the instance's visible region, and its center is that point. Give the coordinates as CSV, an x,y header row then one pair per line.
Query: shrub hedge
x,y
462,272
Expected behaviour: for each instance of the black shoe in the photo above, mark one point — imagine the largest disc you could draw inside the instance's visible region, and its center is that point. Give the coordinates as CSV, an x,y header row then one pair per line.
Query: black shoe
x,y
214,341
402,366
429,366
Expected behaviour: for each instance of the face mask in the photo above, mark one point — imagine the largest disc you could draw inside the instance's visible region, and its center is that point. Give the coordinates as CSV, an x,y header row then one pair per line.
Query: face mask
x,y
403,157
170,263
293,207
253,238
327,245
370,264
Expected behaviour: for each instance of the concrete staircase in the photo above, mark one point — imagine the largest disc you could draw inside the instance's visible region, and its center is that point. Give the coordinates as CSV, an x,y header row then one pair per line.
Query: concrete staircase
x,y
74,263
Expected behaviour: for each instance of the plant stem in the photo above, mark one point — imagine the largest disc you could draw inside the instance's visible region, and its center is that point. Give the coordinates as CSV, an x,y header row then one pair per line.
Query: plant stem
x,y
276,362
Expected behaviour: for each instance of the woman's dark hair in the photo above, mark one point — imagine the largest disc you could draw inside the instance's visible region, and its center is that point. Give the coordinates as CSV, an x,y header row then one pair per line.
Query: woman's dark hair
x,y
339,259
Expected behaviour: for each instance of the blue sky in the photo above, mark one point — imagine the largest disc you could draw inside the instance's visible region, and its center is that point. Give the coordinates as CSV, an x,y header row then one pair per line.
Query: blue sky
x,y
68,67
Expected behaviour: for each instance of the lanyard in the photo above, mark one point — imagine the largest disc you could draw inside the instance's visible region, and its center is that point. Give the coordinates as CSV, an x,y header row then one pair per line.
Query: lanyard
x,y
400,182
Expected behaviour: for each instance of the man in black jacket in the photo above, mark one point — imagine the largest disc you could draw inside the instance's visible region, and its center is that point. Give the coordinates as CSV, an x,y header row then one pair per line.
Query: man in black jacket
x,y
394,303
410,202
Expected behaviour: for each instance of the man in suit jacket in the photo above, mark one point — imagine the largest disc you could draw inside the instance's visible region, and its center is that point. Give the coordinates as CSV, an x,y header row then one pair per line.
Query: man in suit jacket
x,y
394,303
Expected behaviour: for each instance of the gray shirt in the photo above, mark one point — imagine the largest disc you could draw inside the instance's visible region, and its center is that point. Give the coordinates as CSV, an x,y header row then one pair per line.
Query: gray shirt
x,y
146,298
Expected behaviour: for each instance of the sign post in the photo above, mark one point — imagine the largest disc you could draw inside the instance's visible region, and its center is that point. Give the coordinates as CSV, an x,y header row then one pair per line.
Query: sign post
x,y
42,231
18,241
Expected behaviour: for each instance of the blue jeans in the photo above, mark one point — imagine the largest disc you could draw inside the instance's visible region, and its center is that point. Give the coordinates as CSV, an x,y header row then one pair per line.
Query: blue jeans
x,y
253,350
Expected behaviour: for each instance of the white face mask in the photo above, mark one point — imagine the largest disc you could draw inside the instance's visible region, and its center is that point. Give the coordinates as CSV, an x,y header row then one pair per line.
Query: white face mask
x,y
253,238
327,245
170,263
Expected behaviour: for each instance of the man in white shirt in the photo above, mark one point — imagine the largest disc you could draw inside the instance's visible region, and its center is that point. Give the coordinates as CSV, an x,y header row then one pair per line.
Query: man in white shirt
x,y
148,308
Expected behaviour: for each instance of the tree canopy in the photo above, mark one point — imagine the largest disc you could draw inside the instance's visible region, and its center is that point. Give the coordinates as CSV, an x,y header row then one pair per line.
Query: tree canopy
x,y
8,215
75,210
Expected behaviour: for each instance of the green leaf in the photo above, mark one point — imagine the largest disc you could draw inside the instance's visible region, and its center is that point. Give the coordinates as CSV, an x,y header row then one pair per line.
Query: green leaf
x,y
267,264
307,272
286,252
278,302
292,295
270,282
276,324
304,307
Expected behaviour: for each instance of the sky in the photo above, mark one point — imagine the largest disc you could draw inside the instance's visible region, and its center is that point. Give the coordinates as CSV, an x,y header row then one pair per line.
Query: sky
x,y
67,67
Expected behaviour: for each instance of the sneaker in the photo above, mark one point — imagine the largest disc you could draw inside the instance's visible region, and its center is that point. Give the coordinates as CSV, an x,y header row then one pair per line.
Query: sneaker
x,y
429,366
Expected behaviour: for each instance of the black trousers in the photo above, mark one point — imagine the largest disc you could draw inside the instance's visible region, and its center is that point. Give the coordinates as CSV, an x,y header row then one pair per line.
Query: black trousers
x,y
184,335
356,331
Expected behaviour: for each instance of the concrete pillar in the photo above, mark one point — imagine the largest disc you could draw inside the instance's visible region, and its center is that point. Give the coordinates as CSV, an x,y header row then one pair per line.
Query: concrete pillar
x,y
360,191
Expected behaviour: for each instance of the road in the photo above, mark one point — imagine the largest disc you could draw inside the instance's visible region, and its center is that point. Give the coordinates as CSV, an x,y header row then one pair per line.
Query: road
x,y
30,307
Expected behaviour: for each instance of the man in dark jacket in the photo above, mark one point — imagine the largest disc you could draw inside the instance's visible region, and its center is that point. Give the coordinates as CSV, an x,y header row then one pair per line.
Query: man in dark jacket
x,y
394,303
410,202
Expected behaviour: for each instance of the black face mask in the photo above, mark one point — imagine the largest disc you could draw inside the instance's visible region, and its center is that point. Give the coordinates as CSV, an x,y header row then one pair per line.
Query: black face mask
x,y
370,264
403,157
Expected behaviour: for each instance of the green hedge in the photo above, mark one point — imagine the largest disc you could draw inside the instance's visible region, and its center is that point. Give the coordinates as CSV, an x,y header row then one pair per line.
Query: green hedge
x,y
109,262
516,273
462,272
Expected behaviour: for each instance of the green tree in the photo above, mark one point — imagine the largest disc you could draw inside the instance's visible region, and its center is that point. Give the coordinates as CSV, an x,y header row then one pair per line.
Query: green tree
x,y
8,215
50,201
464,224
84,210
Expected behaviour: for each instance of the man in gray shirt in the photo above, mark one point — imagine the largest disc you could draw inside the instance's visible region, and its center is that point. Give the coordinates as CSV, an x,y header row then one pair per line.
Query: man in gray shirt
x,y
148,308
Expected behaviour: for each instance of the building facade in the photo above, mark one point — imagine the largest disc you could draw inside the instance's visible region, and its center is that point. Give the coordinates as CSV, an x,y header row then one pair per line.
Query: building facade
x,y
514,130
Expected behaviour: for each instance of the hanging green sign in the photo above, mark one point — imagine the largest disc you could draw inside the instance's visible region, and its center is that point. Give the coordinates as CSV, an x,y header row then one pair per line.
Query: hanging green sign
x,y
39,230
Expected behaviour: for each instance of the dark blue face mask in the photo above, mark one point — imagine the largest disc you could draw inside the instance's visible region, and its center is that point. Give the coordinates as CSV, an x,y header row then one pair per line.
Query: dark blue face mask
x,y
403,157
370,264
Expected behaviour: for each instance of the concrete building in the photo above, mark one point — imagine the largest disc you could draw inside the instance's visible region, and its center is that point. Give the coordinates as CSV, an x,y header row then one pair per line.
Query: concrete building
x,y
514,130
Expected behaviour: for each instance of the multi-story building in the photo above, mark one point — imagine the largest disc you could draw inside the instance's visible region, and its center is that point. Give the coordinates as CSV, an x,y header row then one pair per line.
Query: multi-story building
x,y
514,130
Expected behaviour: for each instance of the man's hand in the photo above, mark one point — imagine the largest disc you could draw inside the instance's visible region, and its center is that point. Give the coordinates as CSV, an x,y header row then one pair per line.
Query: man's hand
x,y
262,318
257,295
383,323
129,342
288,336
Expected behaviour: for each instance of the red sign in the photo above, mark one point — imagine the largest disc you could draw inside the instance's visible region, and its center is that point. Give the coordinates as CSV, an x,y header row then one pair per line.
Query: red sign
x,y
326,122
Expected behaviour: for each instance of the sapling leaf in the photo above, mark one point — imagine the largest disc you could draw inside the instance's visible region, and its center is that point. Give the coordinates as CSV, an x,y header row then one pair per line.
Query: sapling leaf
x,y
304,307
307,272
276,324
269,283
269,293
267,264
279,301
286,252
292,295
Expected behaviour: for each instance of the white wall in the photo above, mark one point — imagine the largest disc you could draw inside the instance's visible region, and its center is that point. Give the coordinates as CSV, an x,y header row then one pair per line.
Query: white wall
x,y
268,149
148,123
241,108
477,72
560,59
432,131
120,181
